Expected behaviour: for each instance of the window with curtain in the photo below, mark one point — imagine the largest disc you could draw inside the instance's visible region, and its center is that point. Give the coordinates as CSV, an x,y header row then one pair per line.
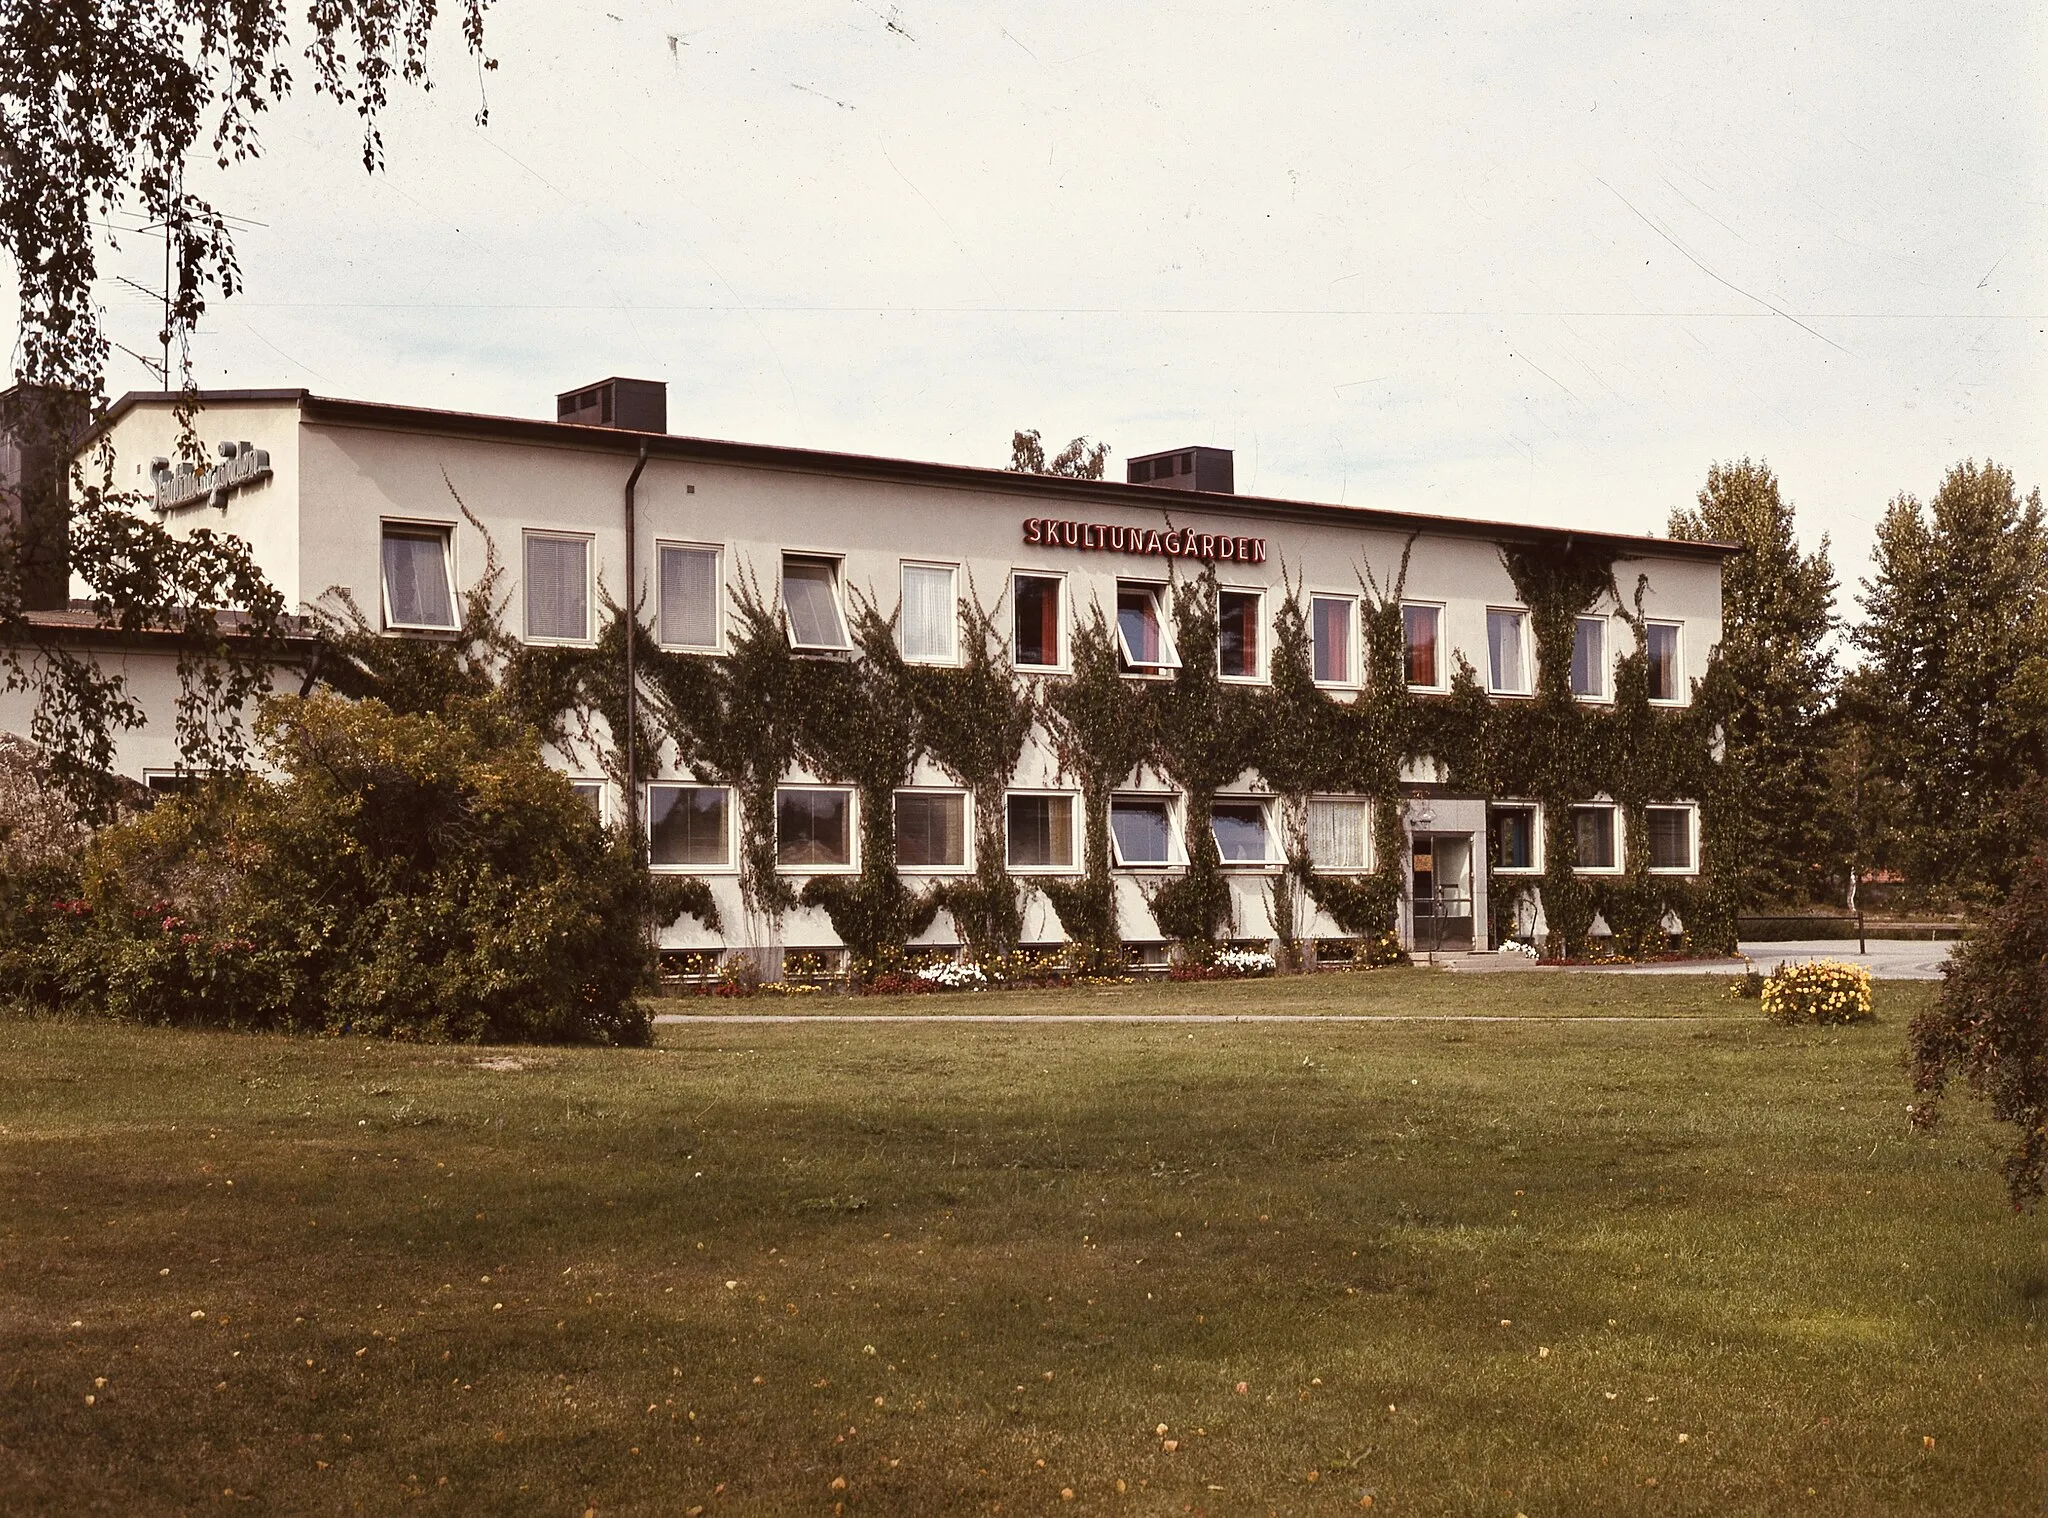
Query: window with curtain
x,y
1141,630
1507,652
1340,833
557,588
1035,600
813,829
1589,658
1040,832
1330,629
1662,646
931,830
1421,627
689,607
1237,633
925,627
1670,829
810,598
689,826
1593,842
1141,830
418,588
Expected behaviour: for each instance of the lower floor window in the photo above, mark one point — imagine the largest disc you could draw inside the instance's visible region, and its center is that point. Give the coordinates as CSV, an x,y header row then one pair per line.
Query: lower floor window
x,y
1242,835
1593,838
931,829
688,826
813,829
1340,833
1041,832
1671,840
591,794
1514,838
1141,830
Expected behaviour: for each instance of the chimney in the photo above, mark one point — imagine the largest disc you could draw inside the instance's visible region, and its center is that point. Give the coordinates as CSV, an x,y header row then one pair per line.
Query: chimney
x,y
629,405
1204,469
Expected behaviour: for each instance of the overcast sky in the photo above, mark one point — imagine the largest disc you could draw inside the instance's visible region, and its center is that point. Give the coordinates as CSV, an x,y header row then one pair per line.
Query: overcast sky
x,y
1536,262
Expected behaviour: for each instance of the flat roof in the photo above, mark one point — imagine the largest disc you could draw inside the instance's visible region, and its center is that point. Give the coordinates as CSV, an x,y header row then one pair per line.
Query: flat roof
x,y
1043,487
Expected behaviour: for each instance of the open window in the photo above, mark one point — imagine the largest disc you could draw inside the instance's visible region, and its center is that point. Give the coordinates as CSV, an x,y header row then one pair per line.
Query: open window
x,y
810,601
688,612
1340,834
419,579
1333,629
1142,633
814,828
1040,830
1238,639
689,827
1243,829
927,628
1035,609
1422,657
1507,652
1667,676
557,588
1516,837
1589,658
1596,839
1674,839
931,830
1141,831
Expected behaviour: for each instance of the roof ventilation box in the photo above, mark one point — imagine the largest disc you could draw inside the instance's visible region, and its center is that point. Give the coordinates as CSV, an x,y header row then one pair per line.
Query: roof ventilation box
x,y
1206,469
630,405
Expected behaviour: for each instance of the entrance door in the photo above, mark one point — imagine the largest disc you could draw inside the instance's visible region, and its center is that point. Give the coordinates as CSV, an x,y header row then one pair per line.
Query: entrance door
x,y
1442,866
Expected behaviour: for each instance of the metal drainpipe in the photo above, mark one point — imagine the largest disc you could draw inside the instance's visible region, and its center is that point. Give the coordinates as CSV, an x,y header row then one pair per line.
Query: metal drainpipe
x,y
632,638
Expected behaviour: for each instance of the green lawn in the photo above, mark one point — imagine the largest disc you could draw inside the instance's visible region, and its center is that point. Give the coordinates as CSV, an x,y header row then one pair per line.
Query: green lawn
x,y
1552,1268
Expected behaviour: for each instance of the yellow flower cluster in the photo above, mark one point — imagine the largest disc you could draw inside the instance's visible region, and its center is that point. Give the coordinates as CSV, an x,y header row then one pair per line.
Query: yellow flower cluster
x,y
1820,991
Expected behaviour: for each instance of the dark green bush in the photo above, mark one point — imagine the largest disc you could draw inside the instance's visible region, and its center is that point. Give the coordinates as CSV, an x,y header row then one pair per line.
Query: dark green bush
x,y
413,875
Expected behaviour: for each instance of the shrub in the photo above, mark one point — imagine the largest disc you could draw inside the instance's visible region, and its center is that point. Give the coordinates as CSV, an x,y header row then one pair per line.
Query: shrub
x,y
1990,1026
1820,991
418,876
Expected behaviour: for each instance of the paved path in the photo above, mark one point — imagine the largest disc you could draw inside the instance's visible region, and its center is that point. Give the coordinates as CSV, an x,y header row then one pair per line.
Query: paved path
x,y
711,1019
1887,958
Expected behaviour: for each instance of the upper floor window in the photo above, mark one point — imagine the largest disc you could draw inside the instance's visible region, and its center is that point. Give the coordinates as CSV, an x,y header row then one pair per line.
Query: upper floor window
x,y
1666,675
1040,831
926,628
1243,830
931,830
1141,629
1589,658
689,826
419,584
1035,602
557,588
1507,652
1594,844
687,612
810,601
1421,642
1141,830
1237,633
1514,836
1333,629
814,828
1340,833
1673,838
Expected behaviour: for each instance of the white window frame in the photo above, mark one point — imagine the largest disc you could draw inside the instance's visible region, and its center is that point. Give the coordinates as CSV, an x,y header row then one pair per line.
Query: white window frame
x,y
1620,865
1275,853
604,793
732,823
838,563
966,867
1443,662
952,569
1170,661
1260,655
588,638
1692,839
1060,619
1535,810
1354,655
418,525
717,551
1606,667
852,865
1176,843
1371,848
1528,686
1678,680
1074,837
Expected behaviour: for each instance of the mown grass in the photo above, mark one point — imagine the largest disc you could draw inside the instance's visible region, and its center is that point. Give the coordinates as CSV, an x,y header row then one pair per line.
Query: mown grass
x,y
1546,1268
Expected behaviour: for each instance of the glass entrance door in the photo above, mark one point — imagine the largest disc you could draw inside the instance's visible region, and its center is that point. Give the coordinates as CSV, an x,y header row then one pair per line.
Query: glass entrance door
x,y
1441,865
